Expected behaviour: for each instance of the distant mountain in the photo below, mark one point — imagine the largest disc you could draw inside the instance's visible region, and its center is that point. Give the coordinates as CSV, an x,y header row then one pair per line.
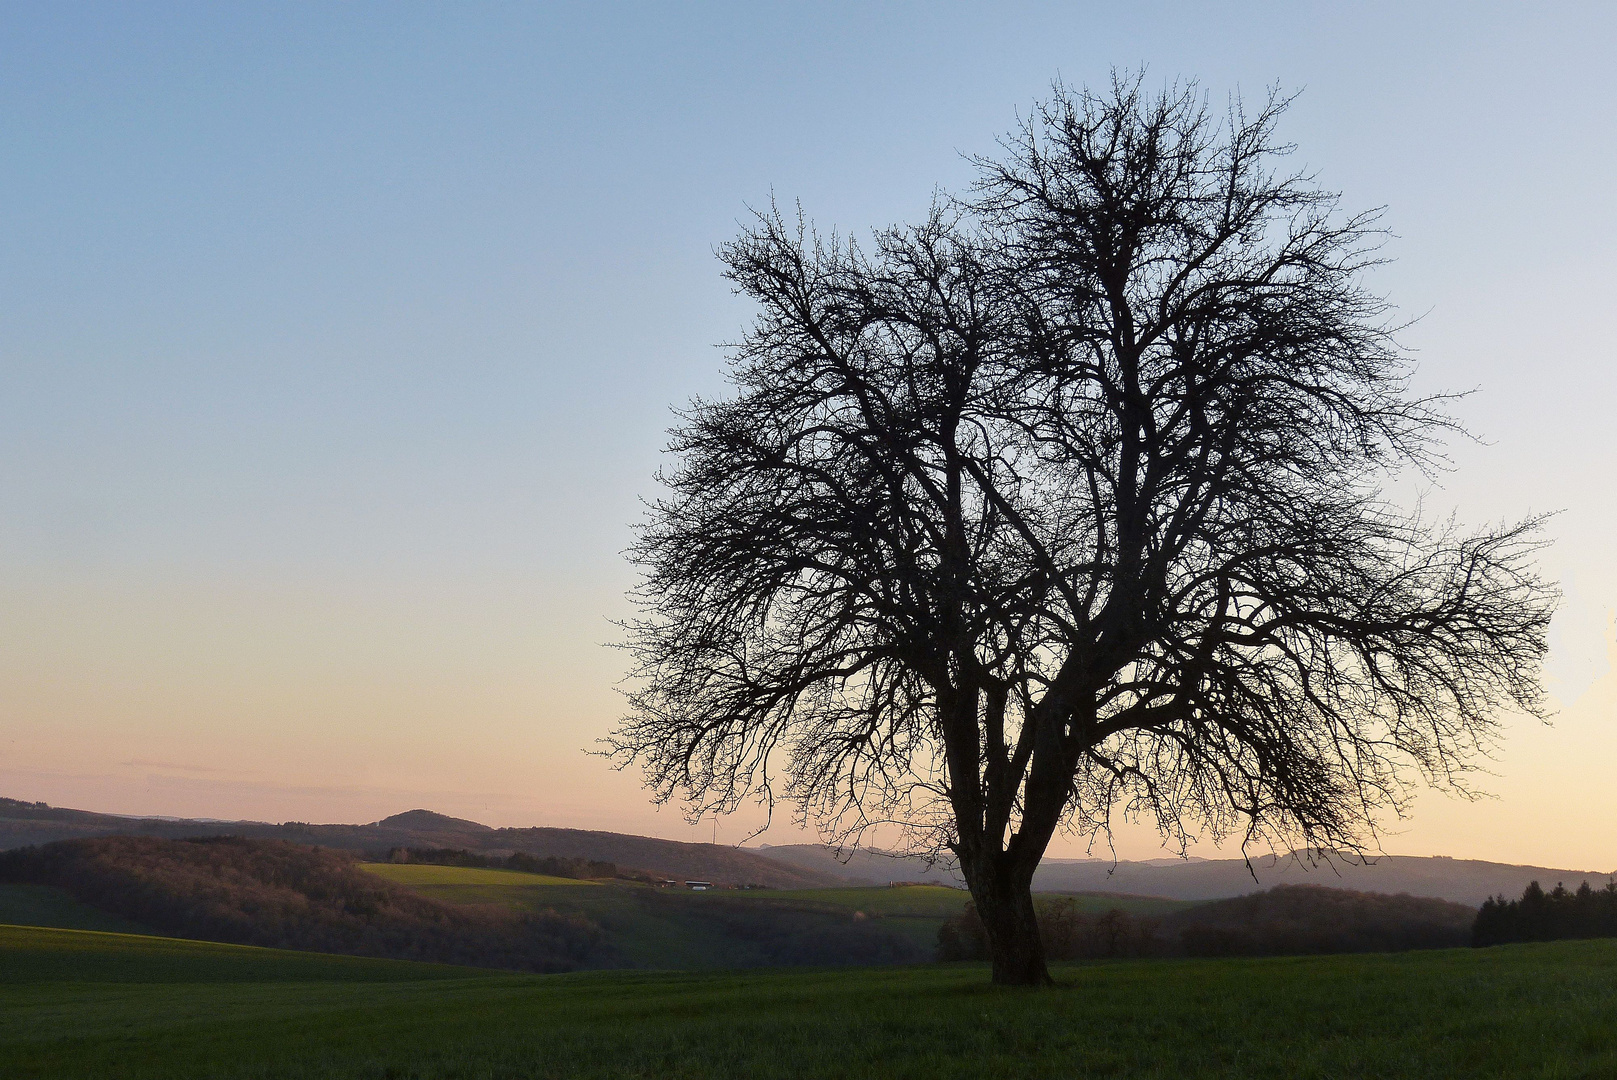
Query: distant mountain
x,y
1463,881
24,823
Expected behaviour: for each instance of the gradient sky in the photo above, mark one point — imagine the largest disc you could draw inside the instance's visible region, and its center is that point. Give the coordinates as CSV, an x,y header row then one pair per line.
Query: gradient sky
x,y
338,344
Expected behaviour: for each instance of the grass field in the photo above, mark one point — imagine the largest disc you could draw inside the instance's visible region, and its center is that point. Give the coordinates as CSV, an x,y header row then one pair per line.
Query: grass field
x,y
79,1004
45,905
426,874
647,927
678,928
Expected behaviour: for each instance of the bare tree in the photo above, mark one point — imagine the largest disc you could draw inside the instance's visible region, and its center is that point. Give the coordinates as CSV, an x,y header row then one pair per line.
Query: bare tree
x,y
1068,502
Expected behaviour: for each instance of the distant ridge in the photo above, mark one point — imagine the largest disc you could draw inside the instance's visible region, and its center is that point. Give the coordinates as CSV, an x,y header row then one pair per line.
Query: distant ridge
x,y
1463,881
25,823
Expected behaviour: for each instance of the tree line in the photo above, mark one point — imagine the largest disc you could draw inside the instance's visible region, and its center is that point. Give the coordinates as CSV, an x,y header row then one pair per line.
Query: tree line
x,y
1548,916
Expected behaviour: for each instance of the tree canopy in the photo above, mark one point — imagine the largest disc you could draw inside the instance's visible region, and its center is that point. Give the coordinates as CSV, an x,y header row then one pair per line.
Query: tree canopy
x,y
1070,500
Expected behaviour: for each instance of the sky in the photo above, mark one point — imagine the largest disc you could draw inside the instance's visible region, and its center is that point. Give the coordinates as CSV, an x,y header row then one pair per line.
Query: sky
x,y
339,344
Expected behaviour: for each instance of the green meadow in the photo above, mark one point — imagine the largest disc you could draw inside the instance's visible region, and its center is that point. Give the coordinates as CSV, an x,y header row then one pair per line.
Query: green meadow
x,y
651,927
91,1004
46,905
427,876
461,884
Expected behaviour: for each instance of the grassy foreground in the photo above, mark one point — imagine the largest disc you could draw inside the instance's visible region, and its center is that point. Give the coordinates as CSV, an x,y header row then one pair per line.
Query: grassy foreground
x,y
85,1004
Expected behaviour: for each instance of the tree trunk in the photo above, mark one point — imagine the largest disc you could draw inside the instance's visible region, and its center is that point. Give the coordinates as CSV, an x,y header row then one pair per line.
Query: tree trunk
x,y
1004,899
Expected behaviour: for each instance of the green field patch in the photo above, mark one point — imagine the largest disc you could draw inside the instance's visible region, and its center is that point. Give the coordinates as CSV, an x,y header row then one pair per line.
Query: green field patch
x,y
649,927
33,955
418,874
646,928
46,905
1530,1011
913,901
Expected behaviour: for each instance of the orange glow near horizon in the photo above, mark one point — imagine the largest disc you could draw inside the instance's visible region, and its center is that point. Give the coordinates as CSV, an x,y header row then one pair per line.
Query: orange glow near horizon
x,y
273,708
339,352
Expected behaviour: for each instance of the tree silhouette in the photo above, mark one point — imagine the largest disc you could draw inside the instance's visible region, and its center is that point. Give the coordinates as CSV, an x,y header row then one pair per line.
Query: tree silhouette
x,y
1067,502
1548,916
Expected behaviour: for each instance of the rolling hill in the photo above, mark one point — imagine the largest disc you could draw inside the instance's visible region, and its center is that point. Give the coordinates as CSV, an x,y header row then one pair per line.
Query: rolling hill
x,y
1462,881
282,895
279,894
807,866
24,823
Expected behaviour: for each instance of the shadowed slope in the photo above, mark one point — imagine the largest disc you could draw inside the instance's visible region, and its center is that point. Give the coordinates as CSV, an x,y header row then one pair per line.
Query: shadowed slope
x,y
271,893
23,823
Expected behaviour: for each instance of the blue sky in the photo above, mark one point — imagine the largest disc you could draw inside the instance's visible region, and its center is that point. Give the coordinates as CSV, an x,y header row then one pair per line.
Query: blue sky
x,y
339,341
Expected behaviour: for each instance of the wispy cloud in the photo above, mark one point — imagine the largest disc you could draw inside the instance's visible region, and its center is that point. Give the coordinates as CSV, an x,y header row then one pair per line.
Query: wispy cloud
x,y
171,766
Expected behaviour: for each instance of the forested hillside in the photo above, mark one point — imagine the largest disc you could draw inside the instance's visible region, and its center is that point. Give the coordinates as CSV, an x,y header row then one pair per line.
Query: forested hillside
x,y
24,823
1288,920
273,893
